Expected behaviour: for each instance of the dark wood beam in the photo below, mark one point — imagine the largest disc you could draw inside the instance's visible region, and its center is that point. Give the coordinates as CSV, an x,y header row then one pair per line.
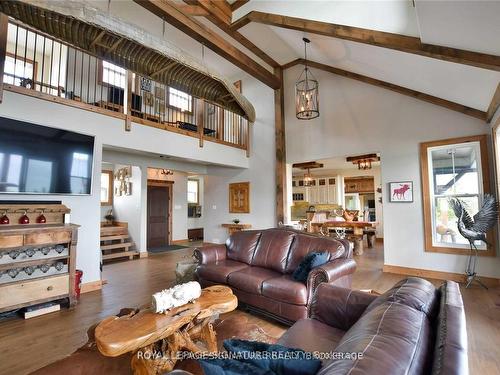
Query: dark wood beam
x,y
397,42
224,26
280,145
494,104
218,9
238,4
389,86
173,15
4,24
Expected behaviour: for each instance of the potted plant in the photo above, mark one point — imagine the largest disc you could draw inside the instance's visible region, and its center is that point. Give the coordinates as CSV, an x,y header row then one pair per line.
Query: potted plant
x,y
110,218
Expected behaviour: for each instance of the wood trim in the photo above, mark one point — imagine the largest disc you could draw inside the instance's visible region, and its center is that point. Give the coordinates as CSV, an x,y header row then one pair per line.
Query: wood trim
x,y
177,242
389,86
494,104
437,275
203,34
109,201
91,286
29,61
143,254
280,144
424,170
170,186
4,24
397,42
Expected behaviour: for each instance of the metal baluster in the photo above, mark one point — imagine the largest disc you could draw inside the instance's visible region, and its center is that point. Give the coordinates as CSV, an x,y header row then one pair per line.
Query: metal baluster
x,y
50,71
43,64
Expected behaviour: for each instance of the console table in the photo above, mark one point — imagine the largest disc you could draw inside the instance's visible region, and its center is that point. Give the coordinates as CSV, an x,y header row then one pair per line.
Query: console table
x,y
231,228
37,261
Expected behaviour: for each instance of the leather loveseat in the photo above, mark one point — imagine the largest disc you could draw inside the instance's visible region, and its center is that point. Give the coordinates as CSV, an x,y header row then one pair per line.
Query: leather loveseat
x,y
414,328
258,266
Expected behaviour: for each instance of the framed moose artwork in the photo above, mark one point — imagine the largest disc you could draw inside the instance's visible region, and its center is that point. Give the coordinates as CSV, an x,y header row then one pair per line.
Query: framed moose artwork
x,y
401,192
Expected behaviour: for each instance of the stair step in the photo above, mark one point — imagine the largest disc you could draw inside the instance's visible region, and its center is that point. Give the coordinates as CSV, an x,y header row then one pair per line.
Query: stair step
x,y
116,246
117,237
120,255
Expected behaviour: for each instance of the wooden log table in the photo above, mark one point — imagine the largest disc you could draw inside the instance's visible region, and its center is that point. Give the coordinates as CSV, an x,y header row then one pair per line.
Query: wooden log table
x,y
356,226
155,339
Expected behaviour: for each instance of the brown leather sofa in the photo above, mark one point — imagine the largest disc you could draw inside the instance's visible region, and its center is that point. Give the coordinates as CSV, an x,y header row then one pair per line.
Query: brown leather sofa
x,y
258,266
414,328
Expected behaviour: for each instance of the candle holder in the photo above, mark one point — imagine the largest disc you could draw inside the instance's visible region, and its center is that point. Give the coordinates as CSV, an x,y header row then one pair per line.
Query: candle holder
x,y
24,219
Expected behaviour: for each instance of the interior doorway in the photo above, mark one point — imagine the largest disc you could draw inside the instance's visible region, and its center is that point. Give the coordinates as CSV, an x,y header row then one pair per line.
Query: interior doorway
x,y
159,214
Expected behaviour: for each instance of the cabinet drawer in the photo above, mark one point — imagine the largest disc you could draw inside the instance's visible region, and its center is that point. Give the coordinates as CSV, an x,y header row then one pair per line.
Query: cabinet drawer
x,y
47,238
25,292
11,241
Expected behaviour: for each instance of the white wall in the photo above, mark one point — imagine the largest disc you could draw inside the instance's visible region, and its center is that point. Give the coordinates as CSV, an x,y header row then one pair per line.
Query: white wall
x,y
358,118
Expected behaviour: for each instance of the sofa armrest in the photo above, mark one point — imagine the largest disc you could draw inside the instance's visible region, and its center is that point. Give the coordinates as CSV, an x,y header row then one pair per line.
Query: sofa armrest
x,y
339,307
329,273
210,254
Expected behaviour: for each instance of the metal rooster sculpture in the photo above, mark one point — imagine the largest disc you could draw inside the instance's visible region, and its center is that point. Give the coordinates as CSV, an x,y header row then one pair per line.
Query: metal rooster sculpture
x,y
474,229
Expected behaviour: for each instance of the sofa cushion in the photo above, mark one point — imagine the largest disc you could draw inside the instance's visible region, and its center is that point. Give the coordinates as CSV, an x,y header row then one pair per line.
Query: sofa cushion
x,y
393,339
310,261
311,335
272,250
305,244
219,271
285,289
414,292
251,279
241,245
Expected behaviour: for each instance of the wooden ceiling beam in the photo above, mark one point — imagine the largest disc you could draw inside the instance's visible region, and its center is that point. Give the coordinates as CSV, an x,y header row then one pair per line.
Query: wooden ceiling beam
x,y
203,34
224,26
397,42
192,10
238,4
218,9
494,104
389,86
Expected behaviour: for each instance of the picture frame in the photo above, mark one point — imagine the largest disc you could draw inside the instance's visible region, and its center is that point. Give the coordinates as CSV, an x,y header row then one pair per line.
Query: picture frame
x,y
239,197
160,93
159,107
146,84
401,192
149,99
238,85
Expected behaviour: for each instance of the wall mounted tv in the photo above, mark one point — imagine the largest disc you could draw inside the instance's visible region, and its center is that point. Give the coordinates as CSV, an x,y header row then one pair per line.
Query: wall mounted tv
x,y
37,159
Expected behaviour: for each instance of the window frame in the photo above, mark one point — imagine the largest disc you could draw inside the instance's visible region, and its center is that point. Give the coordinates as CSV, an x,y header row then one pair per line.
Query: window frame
x,y
109,201
426,194
17,58
100,75
175,107
197,191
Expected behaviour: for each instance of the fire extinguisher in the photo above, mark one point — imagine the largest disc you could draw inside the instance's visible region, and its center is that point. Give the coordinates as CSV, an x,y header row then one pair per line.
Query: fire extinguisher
x,y
78,282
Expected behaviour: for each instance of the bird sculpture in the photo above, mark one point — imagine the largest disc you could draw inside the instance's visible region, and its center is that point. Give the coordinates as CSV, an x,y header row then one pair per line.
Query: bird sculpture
x,y
475,229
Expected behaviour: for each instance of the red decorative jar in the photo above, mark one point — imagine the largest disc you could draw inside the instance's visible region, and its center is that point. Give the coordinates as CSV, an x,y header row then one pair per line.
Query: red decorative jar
x,y
24,219
4,219
41,219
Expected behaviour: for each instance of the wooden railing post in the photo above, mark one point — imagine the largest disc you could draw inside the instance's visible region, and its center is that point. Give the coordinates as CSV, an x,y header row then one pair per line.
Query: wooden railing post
x,y
248,138
220,132
200,118
4,23
128,111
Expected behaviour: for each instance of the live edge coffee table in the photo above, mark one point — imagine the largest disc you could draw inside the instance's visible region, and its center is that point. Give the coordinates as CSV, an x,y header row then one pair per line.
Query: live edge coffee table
x,y
155,338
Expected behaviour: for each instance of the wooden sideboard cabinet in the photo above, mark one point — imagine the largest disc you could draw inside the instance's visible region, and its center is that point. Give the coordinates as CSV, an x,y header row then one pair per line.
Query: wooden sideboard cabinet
x,y
37,264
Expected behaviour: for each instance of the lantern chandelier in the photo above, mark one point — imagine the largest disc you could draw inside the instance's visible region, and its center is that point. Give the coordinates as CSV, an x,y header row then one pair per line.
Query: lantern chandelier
x,y
306,92
364,162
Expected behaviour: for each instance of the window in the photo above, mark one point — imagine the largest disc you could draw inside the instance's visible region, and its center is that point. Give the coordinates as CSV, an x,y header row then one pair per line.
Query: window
x,y
113,75
193,191
455,168
180,100
18,70
106,188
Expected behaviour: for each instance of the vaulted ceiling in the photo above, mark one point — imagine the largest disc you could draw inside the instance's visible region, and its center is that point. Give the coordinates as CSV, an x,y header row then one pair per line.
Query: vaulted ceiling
x,y
445,52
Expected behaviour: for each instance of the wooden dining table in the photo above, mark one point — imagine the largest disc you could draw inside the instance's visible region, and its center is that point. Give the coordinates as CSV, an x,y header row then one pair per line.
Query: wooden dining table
x,y
357,227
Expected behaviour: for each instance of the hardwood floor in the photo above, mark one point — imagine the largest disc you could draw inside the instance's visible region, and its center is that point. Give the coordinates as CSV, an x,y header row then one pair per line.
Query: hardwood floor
x,y
28,345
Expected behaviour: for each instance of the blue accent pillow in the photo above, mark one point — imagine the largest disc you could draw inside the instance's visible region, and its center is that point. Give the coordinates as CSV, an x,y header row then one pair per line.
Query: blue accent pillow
x,y
310,261
259,358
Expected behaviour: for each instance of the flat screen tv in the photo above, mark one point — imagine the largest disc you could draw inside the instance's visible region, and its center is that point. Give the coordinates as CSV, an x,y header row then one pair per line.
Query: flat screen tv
x,y
36,159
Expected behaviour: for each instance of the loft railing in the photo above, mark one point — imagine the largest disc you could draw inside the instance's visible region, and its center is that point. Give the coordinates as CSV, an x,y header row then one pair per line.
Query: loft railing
x,y
38,65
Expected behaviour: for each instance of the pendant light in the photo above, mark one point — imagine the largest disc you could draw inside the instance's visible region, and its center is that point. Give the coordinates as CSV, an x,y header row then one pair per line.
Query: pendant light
x,y
306,92
308,178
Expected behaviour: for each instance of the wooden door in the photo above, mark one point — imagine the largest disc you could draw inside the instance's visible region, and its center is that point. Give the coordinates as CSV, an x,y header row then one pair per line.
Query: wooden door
x,y
158,215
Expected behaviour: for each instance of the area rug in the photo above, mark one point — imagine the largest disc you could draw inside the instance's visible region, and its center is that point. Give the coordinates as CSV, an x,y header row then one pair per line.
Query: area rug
x,y
87,359
156,250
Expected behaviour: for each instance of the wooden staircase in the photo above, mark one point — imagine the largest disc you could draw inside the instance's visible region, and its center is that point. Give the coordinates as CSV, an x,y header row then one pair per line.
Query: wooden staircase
x,y
116,242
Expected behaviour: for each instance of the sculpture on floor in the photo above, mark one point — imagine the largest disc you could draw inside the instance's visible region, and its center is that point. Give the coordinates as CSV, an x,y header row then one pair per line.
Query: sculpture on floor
x,y
176,296
474,229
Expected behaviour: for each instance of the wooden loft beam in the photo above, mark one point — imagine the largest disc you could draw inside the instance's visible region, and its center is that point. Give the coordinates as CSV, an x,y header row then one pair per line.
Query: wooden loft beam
x,y
389,86
218,9
397,42
238,4
173,15
236,35
192,10
494,105
280,145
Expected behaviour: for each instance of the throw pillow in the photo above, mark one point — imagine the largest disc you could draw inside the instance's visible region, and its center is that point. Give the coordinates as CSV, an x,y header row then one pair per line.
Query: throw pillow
x,y
310,261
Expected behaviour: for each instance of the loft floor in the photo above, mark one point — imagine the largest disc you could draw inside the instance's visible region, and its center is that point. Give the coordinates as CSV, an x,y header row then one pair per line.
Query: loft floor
x,y
32,344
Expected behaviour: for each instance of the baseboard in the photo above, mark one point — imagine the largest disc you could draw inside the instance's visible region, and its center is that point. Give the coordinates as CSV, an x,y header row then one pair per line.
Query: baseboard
x,y
143,254
176,242
379,240
439,275
90,287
